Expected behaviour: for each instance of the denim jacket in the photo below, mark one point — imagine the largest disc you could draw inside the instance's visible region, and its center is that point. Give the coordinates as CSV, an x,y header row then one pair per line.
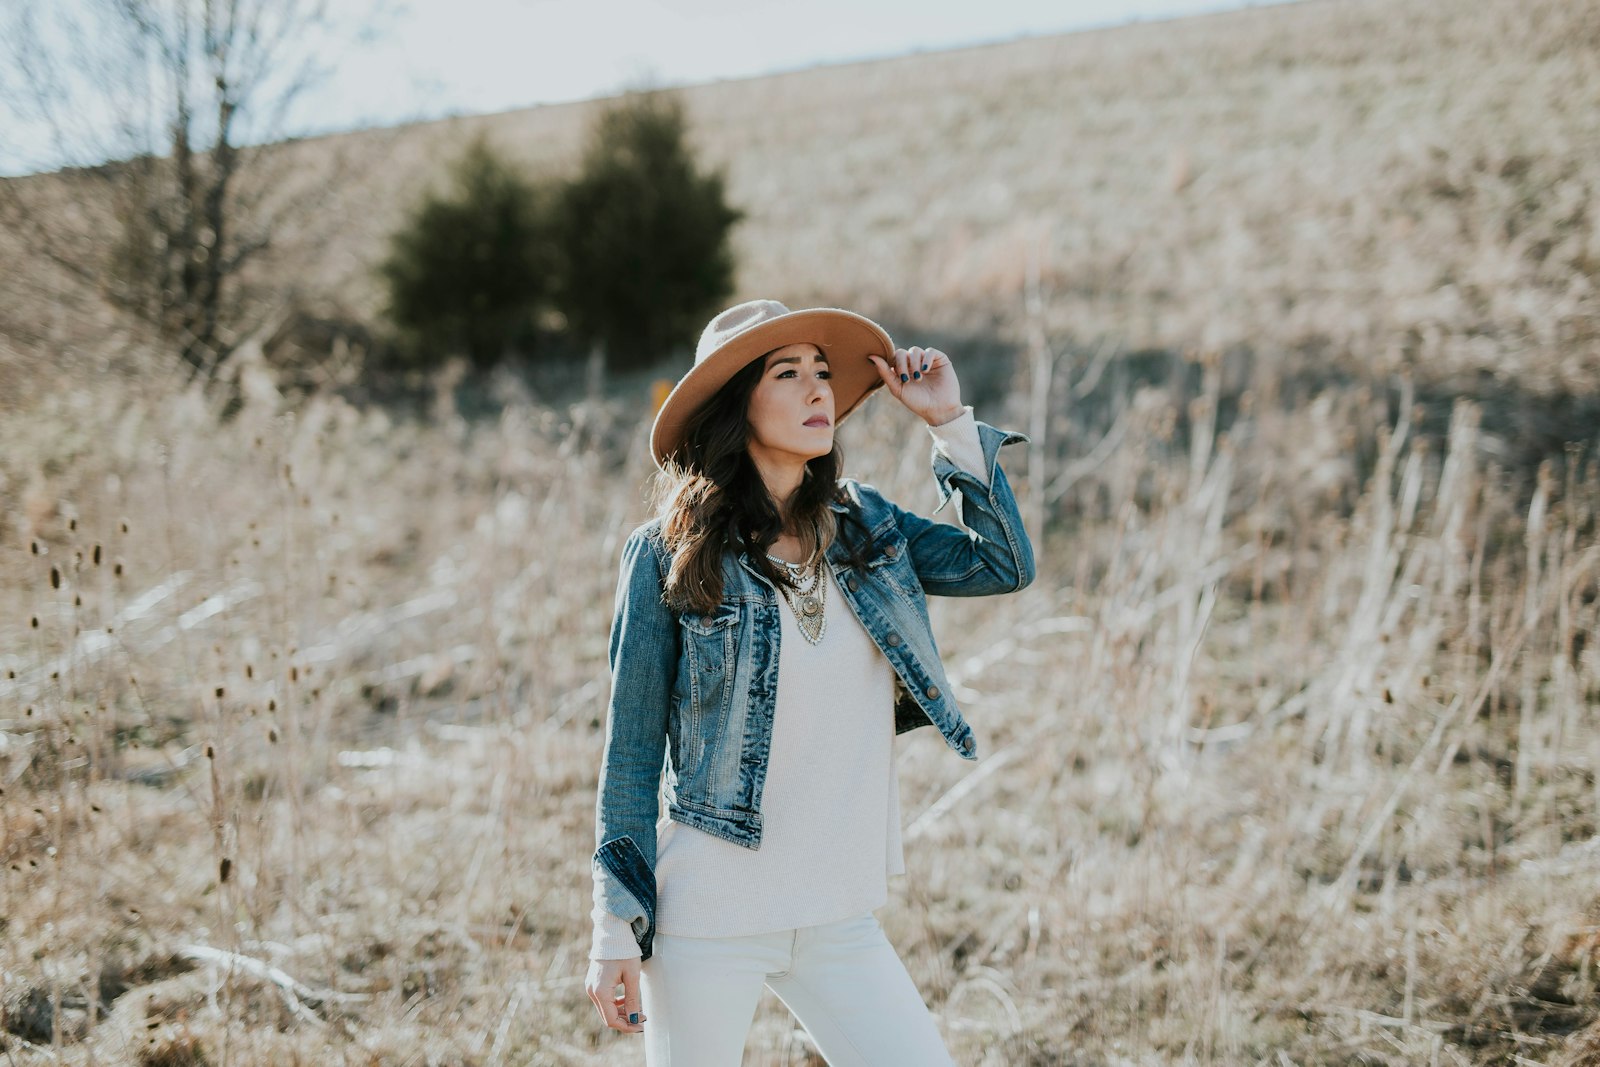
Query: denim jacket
x,y
693,695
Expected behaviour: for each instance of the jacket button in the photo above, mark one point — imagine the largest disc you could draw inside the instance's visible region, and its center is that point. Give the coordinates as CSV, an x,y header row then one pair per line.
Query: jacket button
x,y
933,692
853,584
968,744
892,551
894,640
707,620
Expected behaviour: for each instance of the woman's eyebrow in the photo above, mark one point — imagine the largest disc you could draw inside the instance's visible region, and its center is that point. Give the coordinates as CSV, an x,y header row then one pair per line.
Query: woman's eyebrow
x,y
796,359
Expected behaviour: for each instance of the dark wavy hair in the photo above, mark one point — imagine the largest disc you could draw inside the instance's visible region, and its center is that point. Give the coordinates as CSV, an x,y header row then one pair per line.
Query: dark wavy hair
x,y
712,499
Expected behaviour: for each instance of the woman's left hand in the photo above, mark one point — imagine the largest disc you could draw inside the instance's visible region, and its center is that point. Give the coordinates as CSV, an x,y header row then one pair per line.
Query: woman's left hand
x,y
924,380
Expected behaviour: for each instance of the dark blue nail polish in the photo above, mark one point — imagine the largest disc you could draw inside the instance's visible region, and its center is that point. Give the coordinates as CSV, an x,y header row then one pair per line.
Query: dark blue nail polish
x,y
916,374
633,1017
903,377
924,368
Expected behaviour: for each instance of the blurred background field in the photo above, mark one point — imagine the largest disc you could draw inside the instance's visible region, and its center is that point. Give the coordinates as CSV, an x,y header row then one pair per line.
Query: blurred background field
x,y
1288,756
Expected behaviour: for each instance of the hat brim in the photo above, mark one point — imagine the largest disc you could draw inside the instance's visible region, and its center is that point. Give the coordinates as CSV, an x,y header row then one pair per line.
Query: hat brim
x,y
847,339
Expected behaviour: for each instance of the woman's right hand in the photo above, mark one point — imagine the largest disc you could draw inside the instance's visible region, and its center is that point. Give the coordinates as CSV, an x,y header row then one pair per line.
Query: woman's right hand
x,y
604,977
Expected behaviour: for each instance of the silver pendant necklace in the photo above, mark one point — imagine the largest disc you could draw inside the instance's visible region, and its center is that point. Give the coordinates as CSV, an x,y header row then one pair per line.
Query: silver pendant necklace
x,y
807,599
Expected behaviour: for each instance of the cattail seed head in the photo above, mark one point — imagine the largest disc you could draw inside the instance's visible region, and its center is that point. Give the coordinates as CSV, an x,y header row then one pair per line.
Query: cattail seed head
x,y
123,525
72,524
97,554
249,671
227,869
55,577
294,672
77,600
33,546
272,735
33,621
211,753
220,692
272,705
117,570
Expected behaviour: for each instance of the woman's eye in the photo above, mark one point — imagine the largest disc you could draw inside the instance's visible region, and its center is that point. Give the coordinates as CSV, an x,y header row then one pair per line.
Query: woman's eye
x,y
826,373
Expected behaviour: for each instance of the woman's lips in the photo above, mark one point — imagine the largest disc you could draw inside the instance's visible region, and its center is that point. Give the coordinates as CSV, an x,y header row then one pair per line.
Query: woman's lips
x,y
817,421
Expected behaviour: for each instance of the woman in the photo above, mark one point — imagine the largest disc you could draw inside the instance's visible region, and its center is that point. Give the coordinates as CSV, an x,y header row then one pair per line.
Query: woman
x,y
770,639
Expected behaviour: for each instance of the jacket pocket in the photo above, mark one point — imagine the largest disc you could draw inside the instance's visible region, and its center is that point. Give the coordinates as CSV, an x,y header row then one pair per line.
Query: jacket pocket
x,y
710,659
889,562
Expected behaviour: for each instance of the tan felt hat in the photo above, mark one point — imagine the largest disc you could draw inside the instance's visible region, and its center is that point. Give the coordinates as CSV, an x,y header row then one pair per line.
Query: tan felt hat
x,y
749,331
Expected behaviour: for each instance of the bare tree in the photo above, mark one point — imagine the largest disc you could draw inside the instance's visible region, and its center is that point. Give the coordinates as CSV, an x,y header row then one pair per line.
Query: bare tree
x,y
151,109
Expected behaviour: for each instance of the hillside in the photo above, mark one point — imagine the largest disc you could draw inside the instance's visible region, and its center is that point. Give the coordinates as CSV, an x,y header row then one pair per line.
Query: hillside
x,y
1404,184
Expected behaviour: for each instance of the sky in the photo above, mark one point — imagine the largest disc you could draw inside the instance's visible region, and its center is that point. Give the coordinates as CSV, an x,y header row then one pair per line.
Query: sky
x,y
435,58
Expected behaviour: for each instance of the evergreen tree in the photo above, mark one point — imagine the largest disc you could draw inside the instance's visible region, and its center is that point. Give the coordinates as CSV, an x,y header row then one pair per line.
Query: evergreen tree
x,y
470,270
643,235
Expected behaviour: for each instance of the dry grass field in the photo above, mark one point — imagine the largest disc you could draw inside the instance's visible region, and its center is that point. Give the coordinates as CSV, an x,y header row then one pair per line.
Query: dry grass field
x,y
1288,756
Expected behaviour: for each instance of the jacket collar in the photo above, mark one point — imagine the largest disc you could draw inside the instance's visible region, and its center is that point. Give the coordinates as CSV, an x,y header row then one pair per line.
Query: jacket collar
x,y
836,553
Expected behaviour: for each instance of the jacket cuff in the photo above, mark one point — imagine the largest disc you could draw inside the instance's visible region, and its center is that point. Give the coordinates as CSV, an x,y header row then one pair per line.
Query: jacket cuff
x,y
951,476
624,887
958,440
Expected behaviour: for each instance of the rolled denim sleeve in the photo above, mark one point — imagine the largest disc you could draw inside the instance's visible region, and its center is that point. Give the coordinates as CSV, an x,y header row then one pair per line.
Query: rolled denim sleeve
x,y
993,553
643,657
959,440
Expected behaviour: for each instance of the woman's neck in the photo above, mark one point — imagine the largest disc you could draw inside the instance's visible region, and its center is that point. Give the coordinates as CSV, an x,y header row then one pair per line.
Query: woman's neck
x,y
795,546
781,479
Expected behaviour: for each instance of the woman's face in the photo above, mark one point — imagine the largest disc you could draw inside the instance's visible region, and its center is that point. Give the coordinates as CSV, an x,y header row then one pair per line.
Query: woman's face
x,y
791,410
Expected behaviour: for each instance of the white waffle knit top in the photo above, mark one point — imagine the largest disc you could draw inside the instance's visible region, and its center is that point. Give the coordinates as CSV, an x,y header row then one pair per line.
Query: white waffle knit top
x,y
830,806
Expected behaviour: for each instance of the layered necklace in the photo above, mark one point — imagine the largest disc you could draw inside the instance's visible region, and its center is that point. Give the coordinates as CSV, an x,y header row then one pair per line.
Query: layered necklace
x,y
808,595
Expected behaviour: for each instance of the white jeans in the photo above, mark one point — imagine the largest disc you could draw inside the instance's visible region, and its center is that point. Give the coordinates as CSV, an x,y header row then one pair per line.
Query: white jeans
x,y
843,981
